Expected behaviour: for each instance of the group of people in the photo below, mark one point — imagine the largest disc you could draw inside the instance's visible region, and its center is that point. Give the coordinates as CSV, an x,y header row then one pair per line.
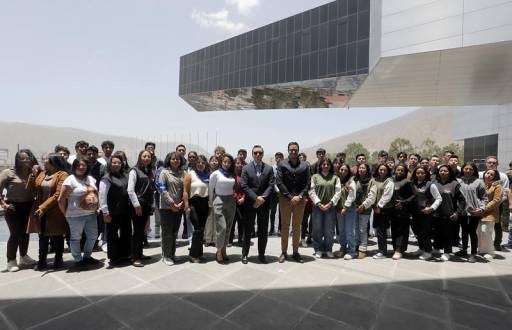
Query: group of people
x,y
77,198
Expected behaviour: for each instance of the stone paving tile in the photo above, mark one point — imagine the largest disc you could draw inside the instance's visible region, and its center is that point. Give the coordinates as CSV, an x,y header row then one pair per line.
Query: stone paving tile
x,y
393,318
316,322
264,313
182,282
30,312
250,278
362,286
417,301
294,292
91,317
225,325
219,298
352,310
479,295
479,316
178,314
98,288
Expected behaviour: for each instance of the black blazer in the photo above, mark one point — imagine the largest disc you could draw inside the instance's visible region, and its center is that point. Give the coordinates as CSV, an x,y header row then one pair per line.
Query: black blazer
x,y
254,185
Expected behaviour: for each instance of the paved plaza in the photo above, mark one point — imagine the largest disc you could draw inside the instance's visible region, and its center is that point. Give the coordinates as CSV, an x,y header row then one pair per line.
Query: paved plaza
x,y
319,294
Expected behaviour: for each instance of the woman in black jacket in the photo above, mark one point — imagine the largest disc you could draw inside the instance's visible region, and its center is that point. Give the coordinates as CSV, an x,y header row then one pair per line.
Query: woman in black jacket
x,y
114,203
403,196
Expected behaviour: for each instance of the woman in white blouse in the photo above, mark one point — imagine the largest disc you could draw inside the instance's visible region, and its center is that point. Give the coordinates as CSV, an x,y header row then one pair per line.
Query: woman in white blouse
x,y
221,188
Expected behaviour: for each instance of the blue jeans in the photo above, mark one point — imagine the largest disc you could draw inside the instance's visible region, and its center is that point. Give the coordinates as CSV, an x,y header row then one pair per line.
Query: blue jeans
x,y
323,229
346,228
361,231
77,226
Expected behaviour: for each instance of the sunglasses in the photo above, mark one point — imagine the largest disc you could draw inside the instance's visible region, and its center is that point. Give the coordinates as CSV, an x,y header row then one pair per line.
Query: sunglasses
x,y
258,153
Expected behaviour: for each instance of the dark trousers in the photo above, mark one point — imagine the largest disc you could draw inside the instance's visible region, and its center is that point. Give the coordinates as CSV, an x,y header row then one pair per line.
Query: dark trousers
x,y
239,213
198,215
17,221
422,228
498,230
307,224
138,230
456,233
57,243
381,222
250,214
469,225
170,226
274,204
119,231
185,228
443,233
400,233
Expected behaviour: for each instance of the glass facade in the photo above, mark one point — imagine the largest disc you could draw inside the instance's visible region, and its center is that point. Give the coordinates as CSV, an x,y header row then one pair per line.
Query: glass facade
x,y
476,149
325,42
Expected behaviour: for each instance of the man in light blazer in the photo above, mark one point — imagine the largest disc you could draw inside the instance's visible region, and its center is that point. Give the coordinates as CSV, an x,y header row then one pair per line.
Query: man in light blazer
x,y
258,185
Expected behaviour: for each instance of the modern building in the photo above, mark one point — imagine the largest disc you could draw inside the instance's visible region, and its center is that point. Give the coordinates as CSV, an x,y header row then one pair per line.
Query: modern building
x,y
370,53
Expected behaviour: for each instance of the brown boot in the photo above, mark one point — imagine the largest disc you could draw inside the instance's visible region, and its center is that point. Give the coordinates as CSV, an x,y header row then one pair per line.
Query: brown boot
x,y
361,255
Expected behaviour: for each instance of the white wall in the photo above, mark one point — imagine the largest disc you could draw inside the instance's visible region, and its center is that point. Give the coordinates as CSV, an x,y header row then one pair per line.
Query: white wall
x,y
425,25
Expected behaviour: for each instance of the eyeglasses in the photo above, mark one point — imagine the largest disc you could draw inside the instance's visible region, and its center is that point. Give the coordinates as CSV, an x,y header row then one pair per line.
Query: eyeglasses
x,y
257,152
181,150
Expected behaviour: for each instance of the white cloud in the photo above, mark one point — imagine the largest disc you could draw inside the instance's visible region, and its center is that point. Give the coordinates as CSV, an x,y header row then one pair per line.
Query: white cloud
x,y
219,20
244,6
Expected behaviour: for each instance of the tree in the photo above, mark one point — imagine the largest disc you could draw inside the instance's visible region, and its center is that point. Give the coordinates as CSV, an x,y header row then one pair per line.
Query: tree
x,y
429,148
400,145
353,149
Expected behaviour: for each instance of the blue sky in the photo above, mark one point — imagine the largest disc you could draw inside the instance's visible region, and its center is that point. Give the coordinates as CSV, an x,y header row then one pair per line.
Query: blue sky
x,y
112,67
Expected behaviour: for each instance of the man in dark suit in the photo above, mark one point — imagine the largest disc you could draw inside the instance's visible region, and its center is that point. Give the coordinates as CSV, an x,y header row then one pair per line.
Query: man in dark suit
x,y
258,185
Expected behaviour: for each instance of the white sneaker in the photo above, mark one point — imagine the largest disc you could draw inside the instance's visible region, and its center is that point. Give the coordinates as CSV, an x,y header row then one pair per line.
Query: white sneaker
x,y
348,256
445,257
168,261
303,243
426,256
330,255
397,256
12,266
27,261
418,252
104,247
379,255
488,256
318,255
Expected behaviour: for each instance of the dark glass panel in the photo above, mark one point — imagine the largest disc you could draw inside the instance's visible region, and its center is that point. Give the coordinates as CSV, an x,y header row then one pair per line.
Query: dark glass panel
x,y
324,13
332,38
331,61
364,5
332,11
363,54
305,67
324,31
306,19
363,25
315,38
322,63
352,28
315,16
352,6
296,68
351,57
289,69
313,65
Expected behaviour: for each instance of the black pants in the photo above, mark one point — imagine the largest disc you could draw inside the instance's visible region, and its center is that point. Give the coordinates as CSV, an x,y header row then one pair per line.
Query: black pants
x,y
498,230
274,204
119,231
170,222
422,228
250,214
185,228
198,215
443,233
307,224
17,221
138,230
381,222
400,233
456,233
238,221
469,225
56,241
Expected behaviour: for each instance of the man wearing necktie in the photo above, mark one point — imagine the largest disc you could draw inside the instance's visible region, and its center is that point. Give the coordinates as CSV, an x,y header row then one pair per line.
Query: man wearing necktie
x,y
258,184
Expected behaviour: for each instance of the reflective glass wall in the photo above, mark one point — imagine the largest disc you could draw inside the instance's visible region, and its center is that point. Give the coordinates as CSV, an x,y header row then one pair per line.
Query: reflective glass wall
x,y
327,41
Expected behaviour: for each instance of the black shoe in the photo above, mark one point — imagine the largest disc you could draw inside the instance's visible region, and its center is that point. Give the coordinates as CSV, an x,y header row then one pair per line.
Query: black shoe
x,y
271,233
58,263
90,261
461,253
279,234
282,258
41,266
245,260
309,241
144,257
145,243
262,259
497,247
298,258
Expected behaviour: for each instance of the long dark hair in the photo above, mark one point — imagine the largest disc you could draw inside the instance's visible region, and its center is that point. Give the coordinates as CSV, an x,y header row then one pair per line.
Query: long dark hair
x,y
109,164
202,159
496,175
414,178
17,159
473,166
349,175
376,170
171,155
57,161
328,161
121,155
231,169
140,164
451,174
406,171
368,173
76,163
